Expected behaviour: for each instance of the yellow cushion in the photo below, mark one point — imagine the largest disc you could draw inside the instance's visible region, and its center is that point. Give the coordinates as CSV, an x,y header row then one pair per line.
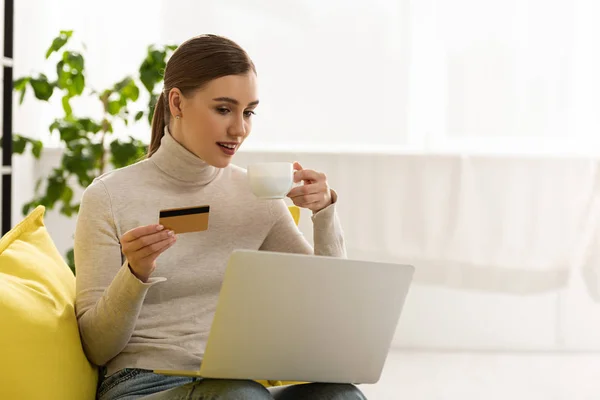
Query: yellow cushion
x,y
41,353
295,211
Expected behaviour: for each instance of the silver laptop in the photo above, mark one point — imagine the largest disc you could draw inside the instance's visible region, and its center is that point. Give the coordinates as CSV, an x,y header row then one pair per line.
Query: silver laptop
x,y
303,318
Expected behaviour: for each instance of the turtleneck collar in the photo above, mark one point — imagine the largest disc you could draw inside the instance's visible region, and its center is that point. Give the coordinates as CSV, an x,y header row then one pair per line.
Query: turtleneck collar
x,y
181,164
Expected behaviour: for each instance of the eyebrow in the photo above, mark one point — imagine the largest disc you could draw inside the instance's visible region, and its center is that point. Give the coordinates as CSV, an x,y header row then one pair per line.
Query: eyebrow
x,y
234,101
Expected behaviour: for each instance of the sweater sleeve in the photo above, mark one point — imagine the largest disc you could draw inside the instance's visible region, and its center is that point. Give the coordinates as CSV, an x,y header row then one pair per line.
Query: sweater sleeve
x,y
108,296
285,236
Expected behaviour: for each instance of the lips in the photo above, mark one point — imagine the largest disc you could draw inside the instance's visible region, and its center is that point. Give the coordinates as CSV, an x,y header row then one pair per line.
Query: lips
x,y
228,148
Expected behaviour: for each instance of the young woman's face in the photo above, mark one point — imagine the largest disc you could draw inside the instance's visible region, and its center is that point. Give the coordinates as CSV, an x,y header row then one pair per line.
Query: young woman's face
x,y
215,120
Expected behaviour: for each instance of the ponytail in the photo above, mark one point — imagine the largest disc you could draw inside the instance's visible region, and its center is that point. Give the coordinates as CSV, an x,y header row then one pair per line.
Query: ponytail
x,y
158,124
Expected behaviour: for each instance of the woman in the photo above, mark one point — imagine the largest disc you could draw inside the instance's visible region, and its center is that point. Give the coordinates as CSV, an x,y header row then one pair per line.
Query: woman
x,y
145,298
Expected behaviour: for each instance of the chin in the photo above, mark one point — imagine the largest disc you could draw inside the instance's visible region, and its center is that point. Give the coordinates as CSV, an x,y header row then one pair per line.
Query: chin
x,y
216,160
219,162
222,164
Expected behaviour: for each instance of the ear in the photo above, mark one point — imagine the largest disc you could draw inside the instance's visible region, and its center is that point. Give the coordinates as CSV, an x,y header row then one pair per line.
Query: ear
x,y
175,102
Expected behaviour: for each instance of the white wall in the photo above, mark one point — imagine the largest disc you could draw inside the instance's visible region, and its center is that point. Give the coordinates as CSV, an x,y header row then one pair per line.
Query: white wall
x,y
332,74
469,75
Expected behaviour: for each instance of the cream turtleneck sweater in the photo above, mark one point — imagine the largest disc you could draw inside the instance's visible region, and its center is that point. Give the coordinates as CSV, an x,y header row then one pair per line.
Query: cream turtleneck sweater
x,y
164,323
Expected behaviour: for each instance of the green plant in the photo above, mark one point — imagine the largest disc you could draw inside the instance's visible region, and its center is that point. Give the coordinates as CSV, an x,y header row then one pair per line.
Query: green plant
x,y
89,147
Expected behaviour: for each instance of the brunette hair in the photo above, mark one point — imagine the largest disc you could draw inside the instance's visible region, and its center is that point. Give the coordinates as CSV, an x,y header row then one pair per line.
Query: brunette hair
x,y
192,65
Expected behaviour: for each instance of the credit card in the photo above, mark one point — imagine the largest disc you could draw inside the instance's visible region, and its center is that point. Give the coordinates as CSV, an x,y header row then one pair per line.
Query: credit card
x,y
184,220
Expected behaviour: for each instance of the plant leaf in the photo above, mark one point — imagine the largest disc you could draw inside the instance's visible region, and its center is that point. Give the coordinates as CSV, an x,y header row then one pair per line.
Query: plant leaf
x,y
79,160
122,84
22,97
41,87
79,83
124,153
131,91
89,125
59,42
70,260
56,186
66,197
36,148
20,83
69,132
63,76
152,68
114,107
74,60
54,125
19,145
38,184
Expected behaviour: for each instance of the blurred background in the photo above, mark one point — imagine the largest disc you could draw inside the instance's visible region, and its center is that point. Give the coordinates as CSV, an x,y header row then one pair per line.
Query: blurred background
x,y
462,137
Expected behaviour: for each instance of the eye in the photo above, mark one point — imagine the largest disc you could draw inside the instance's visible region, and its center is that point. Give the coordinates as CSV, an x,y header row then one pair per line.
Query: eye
x,y
249,113
223,110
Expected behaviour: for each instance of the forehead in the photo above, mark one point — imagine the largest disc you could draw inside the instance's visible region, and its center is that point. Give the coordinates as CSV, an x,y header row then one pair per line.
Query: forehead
x,y
242,88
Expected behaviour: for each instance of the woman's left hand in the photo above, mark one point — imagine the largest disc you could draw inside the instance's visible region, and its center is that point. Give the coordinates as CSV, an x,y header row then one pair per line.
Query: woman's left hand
x,y
315,193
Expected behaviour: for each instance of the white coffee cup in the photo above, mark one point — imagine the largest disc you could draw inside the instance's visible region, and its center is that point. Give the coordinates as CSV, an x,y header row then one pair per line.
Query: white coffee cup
x,y
271,180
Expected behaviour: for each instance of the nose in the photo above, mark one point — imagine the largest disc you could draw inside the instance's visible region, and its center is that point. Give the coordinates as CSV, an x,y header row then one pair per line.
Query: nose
x,y
238,127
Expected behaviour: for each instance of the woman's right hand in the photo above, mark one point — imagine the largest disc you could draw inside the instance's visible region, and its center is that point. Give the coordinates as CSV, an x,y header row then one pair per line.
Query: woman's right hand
x,y
143,245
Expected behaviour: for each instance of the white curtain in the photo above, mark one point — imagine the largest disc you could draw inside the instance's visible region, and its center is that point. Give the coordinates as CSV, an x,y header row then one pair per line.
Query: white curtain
x,y
514,225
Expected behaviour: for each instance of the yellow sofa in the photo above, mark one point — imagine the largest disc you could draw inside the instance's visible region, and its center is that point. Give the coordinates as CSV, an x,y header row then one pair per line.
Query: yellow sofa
x,y
41,352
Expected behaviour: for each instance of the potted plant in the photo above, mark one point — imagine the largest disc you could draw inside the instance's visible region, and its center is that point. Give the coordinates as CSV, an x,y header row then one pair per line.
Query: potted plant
x,y
90,147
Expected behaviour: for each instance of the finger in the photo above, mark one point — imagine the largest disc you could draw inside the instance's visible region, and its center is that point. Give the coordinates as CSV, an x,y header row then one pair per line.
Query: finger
x,y
308,175
153,256
156,248
149,240
311,188
303,201
313,206
140,231
297,166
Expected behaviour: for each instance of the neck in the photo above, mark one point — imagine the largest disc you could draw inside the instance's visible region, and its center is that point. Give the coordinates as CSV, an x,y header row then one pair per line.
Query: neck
x,y
181,164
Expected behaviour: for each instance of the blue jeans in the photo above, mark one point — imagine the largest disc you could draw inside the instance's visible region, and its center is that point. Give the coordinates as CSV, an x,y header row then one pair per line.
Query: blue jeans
x,y
131,384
